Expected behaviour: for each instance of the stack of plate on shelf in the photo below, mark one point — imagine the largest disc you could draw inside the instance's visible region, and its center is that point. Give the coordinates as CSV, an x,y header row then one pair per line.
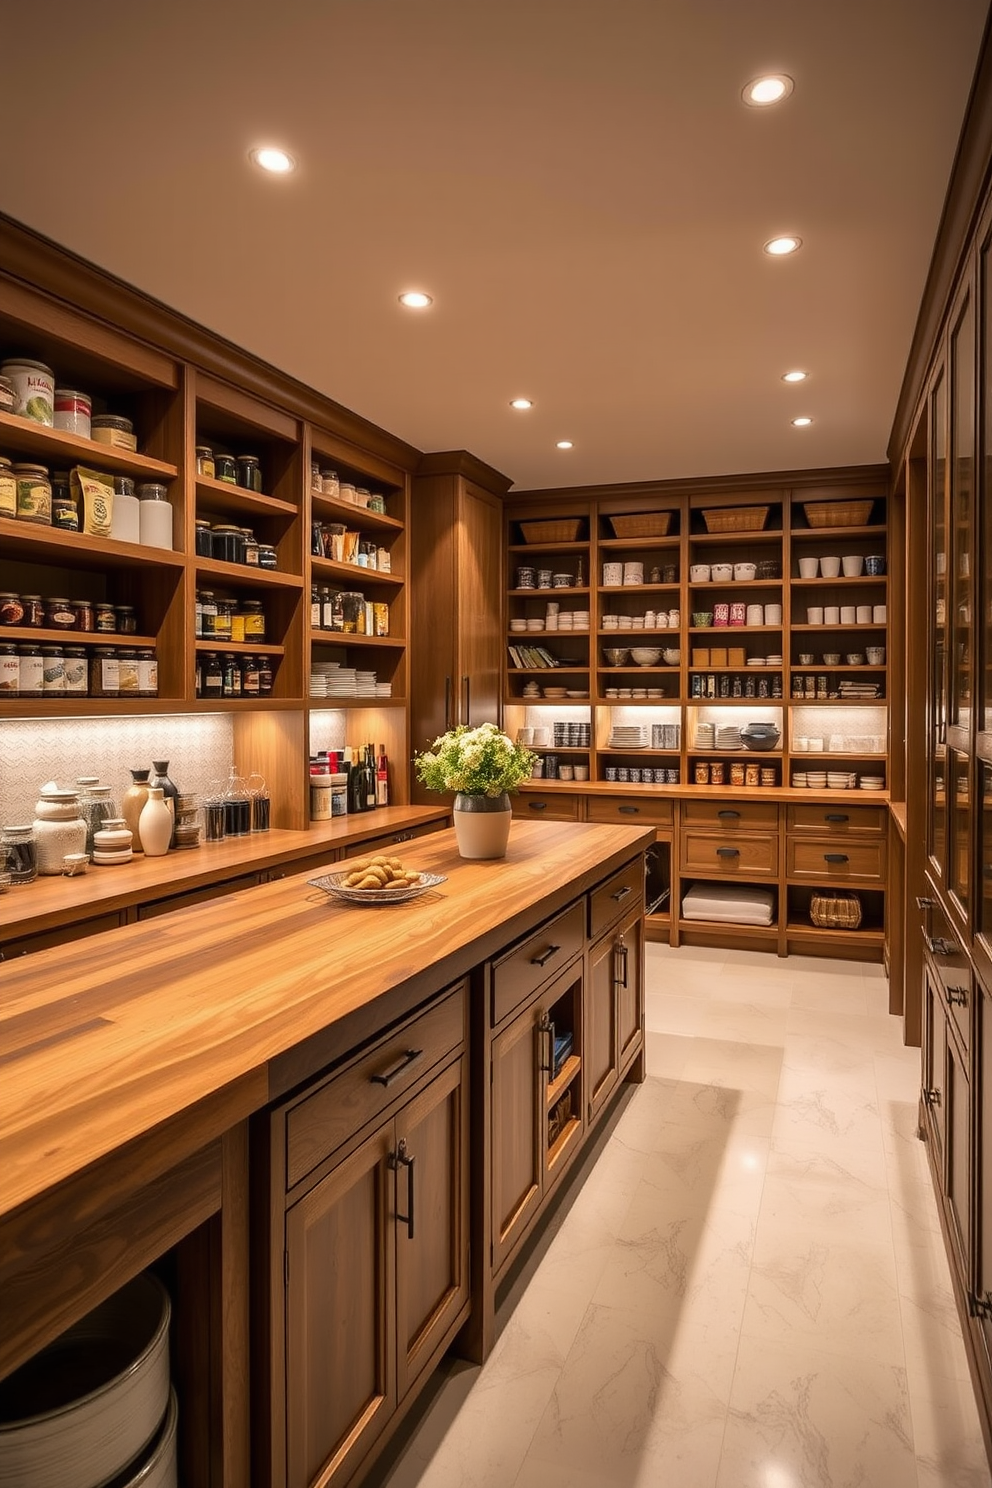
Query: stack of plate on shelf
x,y
531,690
773,661
728,736
706,735
841,780
758,661
365,684
320,676
873,782
342,683
383,689
816,779
629,736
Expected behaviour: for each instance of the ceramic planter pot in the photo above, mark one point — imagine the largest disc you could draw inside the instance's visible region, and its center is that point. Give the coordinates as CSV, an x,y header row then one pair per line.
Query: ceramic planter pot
x,y
482,825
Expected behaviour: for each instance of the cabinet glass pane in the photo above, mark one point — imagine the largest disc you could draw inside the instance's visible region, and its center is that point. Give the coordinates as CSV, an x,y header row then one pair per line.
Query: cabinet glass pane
x,y
985,489
985,903
959,825
937,822
961,607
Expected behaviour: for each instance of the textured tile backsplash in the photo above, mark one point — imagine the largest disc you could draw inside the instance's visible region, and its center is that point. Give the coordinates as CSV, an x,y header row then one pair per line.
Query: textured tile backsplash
x,y
199,749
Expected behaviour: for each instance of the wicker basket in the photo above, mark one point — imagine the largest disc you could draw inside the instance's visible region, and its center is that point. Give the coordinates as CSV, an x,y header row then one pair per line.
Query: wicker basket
x,y
736,519
555,530
642,524
837,513
836,909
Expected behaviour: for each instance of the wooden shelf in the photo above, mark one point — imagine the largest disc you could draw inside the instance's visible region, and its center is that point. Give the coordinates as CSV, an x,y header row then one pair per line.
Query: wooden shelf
x,y
697,631
352,573
546,593
32,543
348,638
641,544
21,633
324,705
353,516
241,576
217,495
55,448
708,585
551,547
563,1079
246,648
90,707
829,534
743,539
840,581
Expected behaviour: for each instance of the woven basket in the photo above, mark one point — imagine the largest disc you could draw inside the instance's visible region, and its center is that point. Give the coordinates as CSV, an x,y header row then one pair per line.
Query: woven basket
x,y
642,524
837,513
835,910
557,530
736,519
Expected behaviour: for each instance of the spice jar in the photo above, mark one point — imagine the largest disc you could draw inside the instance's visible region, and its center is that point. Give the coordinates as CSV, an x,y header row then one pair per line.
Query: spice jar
x,y
264,676
230,675
205,461
267,556
8,488
31,670
249,676
73,411
127,672
65,512
250,473
127,621
34,494
11,609
22,858
228,543
53,664
76,671
60,615
329,483
147,673
10,671
104,673
254,620
203,540
208,613
84,614
104,618
213,676
223,619
226,469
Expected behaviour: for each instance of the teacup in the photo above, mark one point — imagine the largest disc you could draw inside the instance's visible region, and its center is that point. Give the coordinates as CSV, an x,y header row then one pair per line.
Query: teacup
x,y
699,573
702,618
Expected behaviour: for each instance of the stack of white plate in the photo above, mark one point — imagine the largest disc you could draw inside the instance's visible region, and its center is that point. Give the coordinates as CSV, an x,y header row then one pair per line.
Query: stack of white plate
x,y
705,735
365,684
320,675
757,660
798,779
383,689
629,736
728,736
580,619
839,780
816,779
342,683
773,661
873,782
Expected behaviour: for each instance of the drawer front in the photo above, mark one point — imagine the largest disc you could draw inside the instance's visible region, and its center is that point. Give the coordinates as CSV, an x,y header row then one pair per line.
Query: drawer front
x,y
735,853
617,896
44,940
528,965
831,861
730,816
631,809
549,807
320,1122
841,821
389,841
196,896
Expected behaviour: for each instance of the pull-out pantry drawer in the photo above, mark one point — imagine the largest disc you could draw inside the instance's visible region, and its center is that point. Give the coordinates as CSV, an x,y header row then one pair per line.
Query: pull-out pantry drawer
x,y
826,860
740,854
840,821
530,963
547,806
730,815
617,896
630,810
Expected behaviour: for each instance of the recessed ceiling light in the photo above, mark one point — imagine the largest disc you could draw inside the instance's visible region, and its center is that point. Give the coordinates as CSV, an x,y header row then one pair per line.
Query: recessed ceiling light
x,y
521,403
788,243
415,299
794,376
801,423
772,88
277,162
564,444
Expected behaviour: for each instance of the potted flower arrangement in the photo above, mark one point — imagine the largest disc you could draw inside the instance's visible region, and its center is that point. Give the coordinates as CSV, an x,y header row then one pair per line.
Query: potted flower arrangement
x,y
481,765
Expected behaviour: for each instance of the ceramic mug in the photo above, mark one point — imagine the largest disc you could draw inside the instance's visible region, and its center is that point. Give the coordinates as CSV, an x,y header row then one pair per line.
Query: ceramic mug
x,y
874,565
722,573
808,568
831,614
848,615
773,614
878,614
876,655
814,615
744,572
721,614
633,573
829,566
699,573
864,614
755,614
852,565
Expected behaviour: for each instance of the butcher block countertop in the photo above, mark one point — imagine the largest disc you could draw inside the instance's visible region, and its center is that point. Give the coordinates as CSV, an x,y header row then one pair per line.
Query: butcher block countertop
x,y
194,1020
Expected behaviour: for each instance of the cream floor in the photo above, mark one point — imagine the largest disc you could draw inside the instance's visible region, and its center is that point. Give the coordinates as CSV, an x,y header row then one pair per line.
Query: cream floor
x,y
750,1290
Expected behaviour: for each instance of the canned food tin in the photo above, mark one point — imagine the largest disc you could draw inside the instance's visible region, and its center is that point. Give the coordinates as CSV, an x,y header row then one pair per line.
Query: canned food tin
x,y
737,774
716,772
73,411
34,389
752,774
701,773
34,494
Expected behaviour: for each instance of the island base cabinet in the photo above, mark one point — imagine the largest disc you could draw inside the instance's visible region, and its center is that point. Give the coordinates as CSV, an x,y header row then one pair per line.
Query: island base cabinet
x,y
614,1008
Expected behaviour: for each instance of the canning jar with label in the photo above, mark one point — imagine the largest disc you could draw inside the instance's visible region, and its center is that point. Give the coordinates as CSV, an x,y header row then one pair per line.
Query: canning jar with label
x,y
250,473
223,619
8,488
84,614
253,617
267,556
329,483
249,676
226,469
104,618
104,673
127,672
73,411
265,675
60,615
228,543
53,662
208,613
10,671
76,671
34,389
147,673
31,670
127,621
205,461
353,612
213,676
34,494
250,548
65,512
11,609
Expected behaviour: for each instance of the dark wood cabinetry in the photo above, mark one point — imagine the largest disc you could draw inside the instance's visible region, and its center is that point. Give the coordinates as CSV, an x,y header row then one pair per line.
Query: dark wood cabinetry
x,y
614,1009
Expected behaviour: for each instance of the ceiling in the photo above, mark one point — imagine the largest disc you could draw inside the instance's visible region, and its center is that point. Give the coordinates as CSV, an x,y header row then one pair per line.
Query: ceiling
x,y
576,182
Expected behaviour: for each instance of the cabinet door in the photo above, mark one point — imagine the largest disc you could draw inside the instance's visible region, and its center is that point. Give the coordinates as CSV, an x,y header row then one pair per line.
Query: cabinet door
x,y
601,1023
517,1095
430,1208
630,990
934,1060
937,721
957,1132
983,1166
340,1350
480,644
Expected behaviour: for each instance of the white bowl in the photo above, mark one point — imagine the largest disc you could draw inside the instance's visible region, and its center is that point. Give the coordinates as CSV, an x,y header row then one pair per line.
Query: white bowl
x,y
745,572
156,1468
646,655
84,1407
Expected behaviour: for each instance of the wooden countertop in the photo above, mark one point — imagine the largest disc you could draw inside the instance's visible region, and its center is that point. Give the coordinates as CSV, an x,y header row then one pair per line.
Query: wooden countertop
x,y
53,901
195,1019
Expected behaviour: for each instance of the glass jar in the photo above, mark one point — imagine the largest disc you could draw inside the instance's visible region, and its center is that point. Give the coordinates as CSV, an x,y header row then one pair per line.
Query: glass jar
x,y
53,670
34,494
11,609
228,543
85,619
65,512
8,488
250,473
377,503
127,621
213,676
223,619
30,671
265,676
353,612
329,483
253,616
237,807
112,429
267,556
10,671
315,484
76,671
95,806
249,676
22,857
226,469
127,672
347,492
250,548
147,673
104,673
60,615
205,461
362,496
203,540
105,618
208,613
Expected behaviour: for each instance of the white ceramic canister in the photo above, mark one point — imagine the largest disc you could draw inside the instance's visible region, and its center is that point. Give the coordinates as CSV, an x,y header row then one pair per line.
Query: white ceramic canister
x,y
612,575
125,518
73,411
58,829
154,516
34,389
633,573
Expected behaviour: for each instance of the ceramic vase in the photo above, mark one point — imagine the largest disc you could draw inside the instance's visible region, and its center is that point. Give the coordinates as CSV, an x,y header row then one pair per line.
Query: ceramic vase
x,y
169,789
155,824
482,825
131,803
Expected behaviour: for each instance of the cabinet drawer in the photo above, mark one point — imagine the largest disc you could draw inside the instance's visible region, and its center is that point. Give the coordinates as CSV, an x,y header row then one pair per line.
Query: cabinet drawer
x,y
550,807
389,840
717,852
321,1121
838,820
729,815
534,960
830,860
632,809
616,897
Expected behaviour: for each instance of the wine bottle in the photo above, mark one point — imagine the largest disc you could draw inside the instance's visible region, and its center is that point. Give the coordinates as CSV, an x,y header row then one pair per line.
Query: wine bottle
x,y
382,778
356,784
370,789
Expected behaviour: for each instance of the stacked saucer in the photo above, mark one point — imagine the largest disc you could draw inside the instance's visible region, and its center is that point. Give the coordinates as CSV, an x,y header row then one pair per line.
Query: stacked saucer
x,y
728,736
816,779
873,782
840,780
705,735
629,736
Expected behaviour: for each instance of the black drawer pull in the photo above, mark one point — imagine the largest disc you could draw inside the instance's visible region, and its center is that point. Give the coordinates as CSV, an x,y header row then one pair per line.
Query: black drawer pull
x,y
545,956
405,1060
728,852
923,903
729,815
628,810
403,837
621,893
836,816
957,996
538,805
400,1160
941,947
836,858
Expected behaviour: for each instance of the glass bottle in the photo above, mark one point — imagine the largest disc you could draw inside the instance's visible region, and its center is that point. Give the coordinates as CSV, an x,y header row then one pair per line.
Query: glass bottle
x,y
237,806
95,806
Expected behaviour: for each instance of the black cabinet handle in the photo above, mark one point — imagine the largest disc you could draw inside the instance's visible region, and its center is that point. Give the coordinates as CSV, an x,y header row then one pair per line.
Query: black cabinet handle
x,y
932,1096
922,902
620,963
728,852
401,1160
547,1028
447,704
545,956
957,996
941,947
621,893
835,858
403,837
836,816
467,690
729,815
628,810
395,1070
538,805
